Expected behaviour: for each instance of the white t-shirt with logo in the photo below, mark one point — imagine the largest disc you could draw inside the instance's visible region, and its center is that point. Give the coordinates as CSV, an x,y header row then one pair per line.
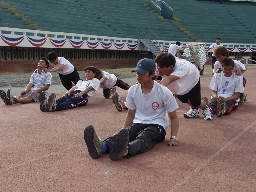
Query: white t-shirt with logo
x,y
151,108
68,67
238,66
110,82
226,86
214,46
82,85
173,49
188,74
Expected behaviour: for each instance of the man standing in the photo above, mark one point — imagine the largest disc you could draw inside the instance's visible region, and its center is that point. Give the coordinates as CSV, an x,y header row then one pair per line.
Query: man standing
x,y
214,46
67,72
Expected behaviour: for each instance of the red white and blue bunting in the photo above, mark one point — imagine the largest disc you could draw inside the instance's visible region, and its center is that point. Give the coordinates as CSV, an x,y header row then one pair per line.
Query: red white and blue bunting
x,y
12,41
47,42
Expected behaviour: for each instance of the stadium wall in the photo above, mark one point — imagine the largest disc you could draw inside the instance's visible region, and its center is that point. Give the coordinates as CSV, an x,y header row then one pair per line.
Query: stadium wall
x,y
20,49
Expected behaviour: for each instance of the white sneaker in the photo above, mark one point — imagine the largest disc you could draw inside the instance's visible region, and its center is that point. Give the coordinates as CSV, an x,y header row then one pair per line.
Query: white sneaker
x,y
192,113
207,114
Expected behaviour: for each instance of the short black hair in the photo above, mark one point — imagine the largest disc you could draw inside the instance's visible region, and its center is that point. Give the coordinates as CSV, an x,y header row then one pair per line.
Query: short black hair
x,y
46,61
218,38
94,70
177,43
165,60
52,56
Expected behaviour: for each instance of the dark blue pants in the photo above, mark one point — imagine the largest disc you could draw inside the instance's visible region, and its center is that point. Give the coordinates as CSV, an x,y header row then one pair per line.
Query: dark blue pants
x,y
70,101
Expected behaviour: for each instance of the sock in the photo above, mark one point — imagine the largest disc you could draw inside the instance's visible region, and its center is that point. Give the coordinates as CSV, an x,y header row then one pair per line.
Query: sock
x,y
15,100
105,148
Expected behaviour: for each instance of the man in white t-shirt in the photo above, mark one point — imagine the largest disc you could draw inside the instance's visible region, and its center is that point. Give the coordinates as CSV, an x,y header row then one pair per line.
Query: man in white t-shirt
x,y
77,96
150,108
222,53
109,81
239,68
213,47
67,72
183,79
175,47
226,87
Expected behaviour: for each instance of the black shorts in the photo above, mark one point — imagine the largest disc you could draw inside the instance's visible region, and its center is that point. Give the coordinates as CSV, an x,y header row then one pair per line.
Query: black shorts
x,y
214,59
194,95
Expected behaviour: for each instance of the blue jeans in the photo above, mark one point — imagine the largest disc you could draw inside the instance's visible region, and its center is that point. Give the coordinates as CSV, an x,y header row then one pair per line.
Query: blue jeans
x,y
70,101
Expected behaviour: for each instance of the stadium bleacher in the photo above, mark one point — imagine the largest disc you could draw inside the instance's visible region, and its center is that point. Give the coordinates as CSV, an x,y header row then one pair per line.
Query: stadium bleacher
x,y
195,20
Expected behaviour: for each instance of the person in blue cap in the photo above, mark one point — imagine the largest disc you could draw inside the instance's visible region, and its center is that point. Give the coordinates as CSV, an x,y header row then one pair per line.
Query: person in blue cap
x,y
150,108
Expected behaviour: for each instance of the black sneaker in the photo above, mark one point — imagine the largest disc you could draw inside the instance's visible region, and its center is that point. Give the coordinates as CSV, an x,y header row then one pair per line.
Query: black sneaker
x,y
94,144
9,96
120,148
4,97
43,101
50,106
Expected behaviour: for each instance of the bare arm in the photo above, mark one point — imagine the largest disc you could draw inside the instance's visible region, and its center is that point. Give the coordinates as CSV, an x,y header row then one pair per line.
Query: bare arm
x,y
84,91
46,87
28,88
129,118
174,125
57,68
71,90
214,95
168,80
103,79
240,72
234,97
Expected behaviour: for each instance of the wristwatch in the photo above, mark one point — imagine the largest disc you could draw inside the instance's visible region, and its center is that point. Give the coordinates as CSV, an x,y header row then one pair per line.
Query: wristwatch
x,y
174,137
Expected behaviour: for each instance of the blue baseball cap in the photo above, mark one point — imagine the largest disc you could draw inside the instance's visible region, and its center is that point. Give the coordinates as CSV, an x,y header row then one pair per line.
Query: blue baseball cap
x,y
145,65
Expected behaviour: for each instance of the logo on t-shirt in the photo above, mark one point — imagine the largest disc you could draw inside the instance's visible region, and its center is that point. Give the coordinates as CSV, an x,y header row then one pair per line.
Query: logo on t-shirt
x,y
155,105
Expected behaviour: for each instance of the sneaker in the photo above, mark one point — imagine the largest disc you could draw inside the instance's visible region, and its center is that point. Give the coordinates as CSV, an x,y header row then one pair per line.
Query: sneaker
x,y
120,149
113,91
207,114
243,98
192,113
94,144
4,96
207,104
43,101
220,107
9,96
51,103
117,102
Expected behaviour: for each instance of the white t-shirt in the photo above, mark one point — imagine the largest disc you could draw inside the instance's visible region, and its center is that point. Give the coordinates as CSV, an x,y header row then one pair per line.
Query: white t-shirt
x,y
226,86
214,46
82,85
173,49
110,82
40,80
151,108
188,74
238,66
68,67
